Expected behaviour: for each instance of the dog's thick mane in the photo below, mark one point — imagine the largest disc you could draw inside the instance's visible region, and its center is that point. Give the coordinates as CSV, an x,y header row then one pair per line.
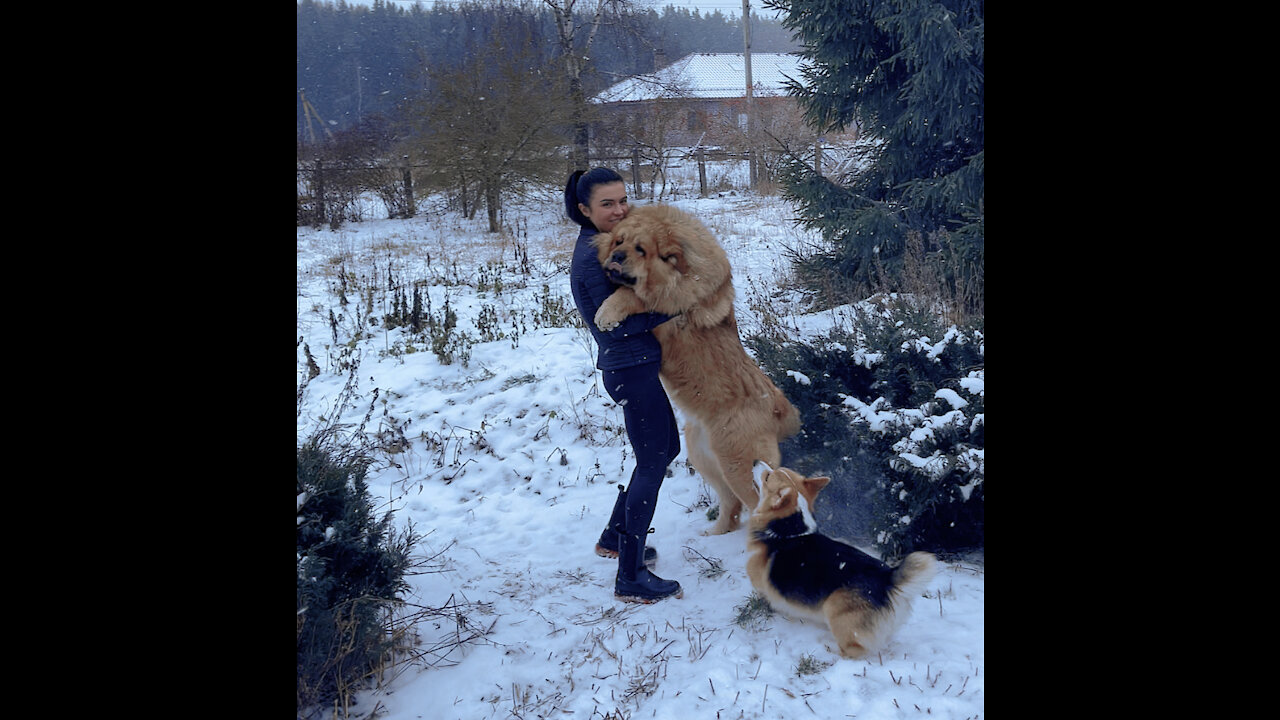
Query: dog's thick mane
x,y
718,312
711,284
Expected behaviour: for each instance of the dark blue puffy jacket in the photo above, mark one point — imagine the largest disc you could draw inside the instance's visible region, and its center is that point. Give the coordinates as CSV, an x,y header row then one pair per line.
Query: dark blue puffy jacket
x,y
632,342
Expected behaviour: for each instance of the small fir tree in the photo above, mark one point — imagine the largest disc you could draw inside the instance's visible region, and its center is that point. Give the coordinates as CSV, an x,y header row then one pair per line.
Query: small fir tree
x,y
894,413
351,569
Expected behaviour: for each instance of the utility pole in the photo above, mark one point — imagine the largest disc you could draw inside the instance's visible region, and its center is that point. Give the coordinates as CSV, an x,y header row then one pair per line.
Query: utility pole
x,y
754,166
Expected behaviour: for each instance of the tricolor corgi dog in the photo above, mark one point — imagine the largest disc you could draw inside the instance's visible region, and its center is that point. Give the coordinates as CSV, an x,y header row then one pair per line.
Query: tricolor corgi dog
x,y
804,573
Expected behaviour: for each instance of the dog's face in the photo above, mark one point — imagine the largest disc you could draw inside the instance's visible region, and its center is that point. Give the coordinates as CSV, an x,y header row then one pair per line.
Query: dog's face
x,y
784,492
641,250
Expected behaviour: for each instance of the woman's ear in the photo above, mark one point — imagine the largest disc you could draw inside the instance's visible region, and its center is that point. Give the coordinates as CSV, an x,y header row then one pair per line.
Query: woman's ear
x,y
586,211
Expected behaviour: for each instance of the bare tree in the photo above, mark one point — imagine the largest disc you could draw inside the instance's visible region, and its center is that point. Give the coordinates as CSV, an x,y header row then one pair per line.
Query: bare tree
x,y
652,128
494,122
575,54
775,130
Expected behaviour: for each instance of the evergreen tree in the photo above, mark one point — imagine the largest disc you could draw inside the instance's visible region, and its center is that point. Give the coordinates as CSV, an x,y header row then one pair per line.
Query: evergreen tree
x,y
351,567
909,74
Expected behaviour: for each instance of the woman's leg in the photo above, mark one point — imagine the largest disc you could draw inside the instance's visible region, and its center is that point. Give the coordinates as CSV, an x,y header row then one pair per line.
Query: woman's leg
x,y
607,545
654,435
650,424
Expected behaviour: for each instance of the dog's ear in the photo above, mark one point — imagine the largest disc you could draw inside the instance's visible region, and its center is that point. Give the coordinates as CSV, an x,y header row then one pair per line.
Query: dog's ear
x,y
678,262
672,253
815,484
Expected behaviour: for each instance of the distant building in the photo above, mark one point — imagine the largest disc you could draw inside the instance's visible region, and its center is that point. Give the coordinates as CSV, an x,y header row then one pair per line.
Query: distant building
x,y
700,98
707,76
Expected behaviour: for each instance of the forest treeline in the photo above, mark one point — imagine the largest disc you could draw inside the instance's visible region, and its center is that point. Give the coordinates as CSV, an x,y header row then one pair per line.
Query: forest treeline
x,y
360,61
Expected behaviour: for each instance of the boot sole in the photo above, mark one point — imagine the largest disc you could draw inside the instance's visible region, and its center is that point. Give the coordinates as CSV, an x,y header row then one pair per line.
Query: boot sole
x,y
647,600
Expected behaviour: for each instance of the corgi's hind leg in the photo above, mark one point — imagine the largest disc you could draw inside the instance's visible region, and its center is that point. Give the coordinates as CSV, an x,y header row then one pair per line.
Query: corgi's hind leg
x,y
848,615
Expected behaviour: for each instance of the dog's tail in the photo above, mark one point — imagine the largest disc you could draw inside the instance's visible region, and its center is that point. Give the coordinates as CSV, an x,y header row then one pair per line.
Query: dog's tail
x,y
914,573
909,580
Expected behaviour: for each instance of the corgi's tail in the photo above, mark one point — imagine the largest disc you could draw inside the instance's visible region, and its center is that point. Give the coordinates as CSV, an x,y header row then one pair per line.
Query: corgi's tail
x,y
909,580
916,570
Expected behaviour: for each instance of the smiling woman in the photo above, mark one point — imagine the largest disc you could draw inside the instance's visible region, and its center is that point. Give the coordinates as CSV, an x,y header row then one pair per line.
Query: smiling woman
x,y
607,205
629,358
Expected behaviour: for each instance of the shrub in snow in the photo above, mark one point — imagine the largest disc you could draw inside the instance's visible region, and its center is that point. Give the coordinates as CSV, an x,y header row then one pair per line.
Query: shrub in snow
x,y
896,419
351,568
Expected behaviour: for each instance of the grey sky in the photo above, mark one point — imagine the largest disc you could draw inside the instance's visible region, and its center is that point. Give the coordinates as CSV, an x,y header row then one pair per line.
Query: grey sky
x,y
726,7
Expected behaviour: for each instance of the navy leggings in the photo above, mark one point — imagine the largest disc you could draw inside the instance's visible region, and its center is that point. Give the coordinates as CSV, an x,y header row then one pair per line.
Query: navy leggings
x,y
654,436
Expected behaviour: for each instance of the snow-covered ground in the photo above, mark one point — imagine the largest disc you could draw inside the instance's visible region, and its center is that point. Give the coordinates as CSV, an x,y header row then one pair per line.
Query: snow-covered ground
x,y
508,465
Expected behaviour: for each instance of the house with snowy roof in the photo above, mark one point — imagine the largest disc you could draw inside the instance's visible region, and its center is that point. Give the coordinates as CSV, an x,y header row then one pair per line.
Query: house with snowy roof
x,y
698,99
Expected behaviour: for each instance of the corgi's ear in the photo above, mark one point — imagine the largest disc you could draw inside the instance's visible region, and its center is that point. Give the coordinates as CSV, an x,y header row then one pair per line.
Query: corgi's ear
x,y
781,498
816,483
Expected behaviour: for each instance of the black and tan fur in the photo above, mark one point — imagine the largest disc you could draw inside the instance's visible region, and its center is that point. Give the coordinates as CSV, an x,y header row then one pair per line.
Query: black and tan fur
x,y
804,573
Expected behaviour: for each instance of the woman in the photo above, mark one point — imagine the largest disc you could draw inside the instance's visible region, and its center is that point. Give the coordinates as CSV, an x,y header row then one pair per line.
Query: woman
x,y
629,358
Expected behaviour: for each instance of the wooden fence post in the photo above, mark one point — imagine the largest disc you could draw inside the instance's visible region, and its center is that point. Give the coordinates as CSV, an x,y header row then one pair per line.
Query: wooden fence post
x,y
702,172
410,207
635,172
319,189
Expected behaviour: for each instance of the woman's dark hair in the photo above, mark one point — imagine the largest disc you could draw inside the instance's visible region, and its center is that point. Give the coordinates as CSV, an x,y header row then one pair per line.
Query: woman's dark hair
x,y
579,188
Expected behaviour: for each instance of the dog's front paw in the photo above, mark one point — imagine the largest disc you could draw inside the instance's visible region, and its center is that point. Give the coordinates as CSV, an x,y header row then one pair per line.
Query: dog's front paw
x,y
606,320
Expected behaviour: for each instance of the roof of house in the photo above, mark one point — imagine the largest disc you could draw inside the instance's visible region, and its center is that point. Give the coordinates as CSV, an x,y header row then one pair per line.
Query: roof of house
x,y
708,76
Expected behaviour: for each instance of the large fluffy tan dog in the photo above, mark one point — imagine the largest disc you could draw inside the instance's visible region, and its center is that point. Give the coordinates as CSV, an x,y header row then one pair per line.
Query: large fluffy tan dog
x,y
669,262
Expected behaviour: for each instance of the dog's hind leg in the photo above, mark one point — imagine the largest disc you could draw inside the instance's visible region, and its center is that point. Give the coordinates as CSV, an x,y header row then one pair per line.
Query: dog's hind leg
x,y
704,460
730,509
738,490
851,620
737,460
737,476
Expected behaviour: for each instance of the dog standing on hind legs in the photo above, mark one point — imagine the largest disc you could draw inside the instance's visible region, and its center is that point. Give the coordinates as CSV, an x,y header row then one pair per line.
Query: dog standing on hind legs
x,y
804,573
667,261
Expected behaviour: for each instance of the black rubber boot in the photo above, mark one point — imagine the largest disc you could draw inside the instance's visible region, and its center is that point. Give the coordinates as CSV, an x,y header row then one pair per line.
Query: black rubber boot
x,y
634,582
608,543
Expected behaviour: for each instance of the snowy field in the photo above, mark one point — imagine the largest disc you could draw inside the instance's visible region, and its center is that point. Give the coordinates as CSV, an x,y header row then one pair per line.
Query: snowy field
x,y
507,459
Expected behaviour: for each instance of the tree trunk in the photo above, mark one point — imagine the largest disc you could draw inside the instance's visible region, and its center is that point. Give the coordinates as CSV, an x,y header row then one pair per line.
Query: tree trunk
x,y
566,32
581,133
493,202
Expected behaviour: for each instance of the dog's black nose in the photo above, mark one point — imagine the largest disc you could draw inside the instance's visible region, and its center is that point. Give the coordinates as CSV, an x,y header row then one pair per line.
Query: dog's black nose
x,y
618,257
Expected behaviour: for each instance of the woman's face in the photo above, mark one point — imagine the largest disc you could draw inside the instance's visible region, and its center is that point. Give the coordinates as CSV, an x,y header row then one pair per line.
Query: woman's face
x,y
608,206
